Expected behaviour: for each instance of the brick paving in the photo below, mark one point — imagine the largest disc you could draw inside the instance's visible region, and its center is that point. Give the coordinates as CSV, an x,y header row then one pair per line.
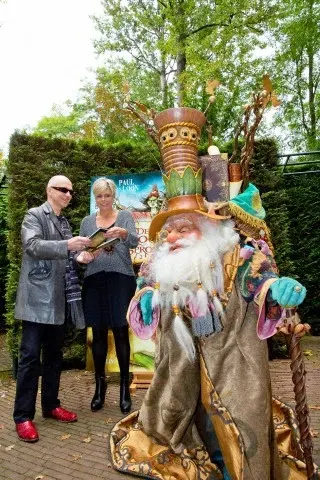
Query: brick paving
x,y
80,451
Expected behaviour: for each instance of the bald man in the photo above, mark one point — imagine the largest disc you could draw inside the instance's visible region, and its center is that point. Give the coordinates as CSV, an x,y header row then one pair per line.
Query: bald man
x,y
41,303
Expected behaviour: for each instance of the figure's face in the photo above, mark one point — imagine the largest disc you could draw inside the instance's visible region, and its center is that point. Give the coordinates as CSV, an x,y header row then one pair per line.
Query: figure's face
x,y
60,193
104,199
180,233
152,202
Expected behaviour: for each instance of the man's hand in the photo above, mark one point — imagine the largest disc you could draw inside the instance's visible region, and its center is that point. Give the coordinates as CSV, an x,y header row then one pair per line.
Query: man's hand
x,y
85,257
289,328
287,292
78,243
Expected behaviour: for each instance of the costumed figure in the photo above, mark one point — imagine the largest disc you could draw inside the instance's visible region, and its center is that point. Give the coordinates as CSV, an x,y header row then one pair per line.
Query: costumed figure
x,y
210,295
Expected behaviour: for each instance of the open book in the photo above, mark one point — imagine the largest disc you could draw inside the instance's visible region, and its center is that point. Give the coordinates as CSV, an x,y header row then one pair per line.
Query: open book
x,y
98,240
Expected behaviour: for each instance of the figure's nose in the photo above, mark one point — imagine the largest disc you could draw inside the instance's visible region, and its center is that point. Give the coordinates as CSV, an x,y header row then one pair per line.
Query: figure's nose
x,y
173,236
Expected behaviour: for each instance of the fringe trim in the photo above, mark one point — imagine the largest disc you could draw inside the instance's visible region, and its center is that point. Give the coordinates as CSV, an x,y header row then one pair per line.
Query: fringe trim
x,y
251,221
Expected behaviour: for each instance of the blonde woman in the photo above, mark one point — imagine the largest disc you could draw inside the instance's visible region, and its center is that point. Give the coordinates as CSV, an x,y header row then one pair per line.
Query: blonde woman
x,y
109,284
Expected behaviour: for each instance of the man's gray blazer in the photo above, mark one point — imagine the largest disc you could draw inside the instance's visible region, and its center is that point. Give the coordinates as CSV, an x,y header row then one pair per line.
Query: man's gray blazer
x,y
41,289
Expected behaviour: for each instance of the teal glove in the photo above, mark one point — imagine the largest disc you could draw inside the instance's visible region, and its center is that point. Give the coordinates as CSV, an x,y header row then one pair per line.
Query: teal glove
x,y
146,307
287,292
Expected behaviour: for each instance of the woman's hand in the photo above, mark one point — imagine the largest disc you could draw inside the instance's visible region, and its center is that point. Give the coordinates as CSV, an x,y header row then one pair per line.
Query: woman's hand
x,y
116,232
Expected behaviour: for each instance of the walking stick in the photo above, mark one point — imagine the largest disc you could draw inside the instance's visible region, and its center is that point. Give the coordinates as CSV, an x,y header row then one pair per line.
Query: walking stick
x,y
296,330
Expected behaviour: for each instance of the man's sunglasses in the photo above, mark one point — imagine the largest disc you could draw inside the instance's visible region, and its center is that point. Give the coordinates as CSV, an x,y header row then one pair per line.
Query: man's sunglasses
x,y
64,190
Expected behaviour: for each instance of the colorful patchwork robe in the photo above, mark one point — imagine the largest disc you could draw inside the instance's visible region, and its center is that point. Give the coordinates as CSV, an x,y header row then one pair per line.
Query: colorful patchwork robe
x,y
219,403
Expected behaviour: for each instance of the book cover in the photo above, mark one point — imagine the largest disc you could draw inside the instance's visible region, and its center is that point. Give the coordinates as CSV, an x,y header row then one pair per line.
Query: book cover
x,y
215,178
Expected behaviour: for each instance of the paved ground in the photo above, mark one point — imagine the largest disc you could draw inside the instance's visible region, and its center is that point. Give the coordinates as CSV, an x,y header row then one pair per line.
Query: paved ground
x,y
81,450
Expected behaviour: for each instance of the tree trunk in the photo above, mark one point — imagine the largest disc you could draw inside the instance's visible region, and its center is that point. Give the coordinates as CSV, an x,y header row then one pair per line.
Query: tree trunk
x,y
181,67
164,85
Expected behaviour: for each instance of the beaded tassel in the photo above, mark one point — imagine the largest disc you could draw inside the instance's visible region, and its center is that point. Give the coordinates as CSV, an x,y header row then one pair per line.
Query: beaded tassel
x,y
181,332
202,300
156,296
217,305
175,303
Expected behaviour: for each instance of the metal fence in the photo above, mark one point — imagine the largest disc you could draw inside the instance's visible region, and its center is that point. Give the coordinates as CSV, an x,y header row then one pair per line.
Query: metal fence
x,y
291,161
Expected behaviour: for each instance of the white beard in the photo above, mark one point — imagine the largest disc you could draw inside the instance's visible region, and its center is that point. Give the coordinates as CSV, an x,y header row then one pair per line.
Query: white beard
x,y
199,260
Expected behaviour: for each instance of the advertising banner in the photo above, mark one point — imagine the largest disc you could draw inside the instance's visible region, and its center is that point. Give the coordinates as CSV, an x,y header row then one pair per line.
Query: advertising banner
x,y
143,195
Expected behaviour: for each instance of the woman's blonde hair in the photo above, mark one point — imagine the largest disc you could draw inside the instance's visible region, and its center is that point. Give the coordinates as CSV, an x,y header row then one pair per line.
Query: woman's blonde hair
x,y
103,184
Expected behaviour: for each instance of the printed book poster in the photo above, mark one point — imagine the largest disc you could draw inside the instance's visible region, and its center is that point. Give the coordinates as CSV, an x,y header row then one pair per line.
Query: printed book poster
x,y
143,195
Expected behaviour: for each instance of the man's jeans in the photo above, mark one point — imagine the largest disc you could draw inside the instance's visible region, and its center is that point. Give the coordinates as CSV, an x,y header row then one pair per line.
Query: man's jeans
x,y
37,338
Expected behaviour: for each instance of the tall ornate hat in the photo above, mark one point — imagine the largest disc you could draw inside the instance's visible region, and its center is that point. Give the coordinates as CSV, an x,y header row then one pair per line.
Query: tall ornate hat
x,y
179,132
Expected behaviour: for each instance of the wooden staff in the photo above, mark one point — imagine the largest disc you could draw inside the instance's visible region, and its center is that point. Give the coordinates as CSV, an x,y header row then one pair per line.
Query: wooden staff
x,y
296,330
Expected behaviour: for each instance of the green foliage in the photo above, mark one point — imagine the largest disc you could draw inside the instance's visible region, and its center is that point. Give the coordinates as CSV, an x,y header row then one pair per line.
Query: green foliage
x,y
297,68
33,160
60,125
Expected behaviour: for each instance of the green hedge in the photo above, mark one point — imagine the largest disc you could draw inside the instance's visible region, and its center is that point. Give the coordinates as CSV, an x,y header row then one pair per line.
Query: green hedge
x,y
3,251
302,202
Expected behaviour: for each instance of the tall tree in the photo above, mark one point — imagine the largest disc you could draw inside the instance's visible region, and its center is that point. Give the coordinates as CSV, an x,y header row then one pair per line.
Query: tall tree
x,y
140,29
297,44
166,36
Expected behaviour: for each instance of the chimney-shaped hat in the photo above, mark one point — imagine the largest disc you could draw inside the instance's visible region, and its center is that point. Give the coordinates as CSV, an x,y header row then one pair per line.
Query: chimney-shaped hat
x,y
179,131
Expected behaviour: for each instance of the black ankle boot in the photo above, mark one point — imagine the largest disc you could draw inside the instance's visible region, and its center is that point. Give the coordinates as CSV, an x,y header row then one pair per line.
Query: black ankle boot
x,y
125,399
99,395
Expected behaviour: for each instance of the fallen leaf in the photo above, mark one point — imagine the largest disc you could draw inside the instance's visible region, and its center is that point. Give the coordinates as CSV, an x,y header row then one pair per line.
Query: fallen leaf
x,y
308,352
108,420
76,457
109,465
87,440
103,435
38,477
314,433
10,447
66,436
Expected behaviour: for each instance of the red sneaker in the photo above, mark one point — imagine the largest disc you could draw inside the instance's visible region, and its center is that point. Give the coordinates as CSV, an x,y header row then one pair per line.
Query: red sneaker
x,y
61,414
27,431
